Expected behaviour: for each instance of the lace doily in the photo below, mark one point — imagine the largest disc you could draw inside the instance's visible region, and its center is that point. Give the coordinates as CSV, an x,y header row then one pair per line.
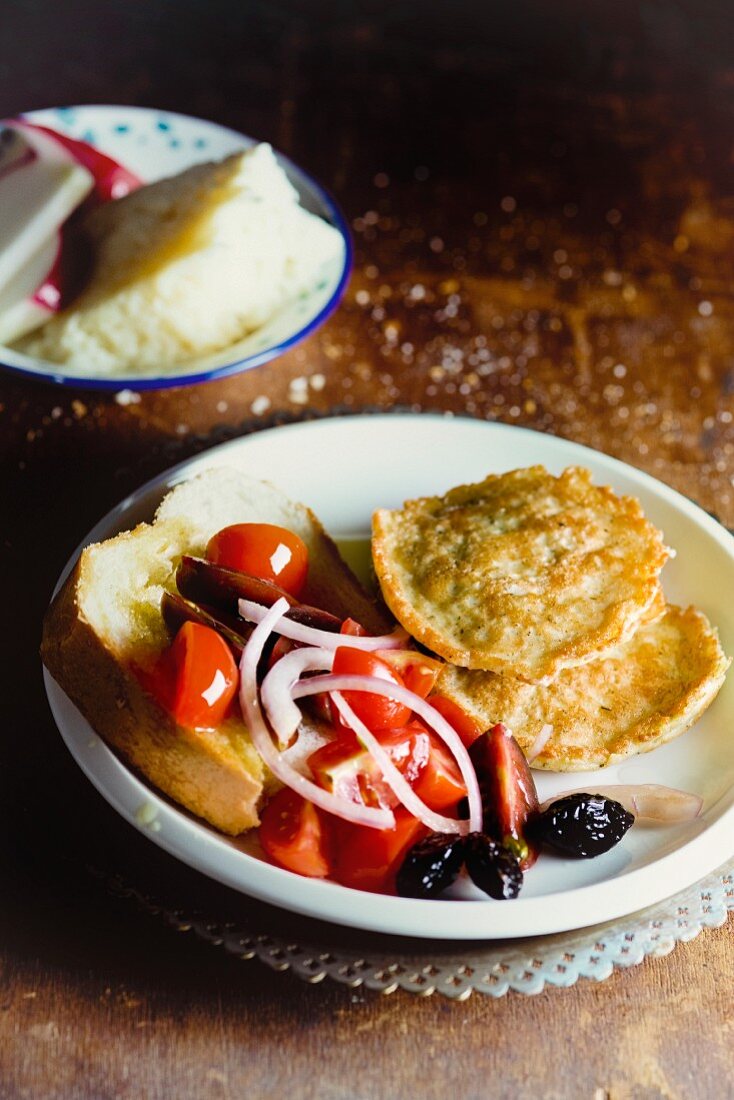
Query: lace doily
x,y
525,966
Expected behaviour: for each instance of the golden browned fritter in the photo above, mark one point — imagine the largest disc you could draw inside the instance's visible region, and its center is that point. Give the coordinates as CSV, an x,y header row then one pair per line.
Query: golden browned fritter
x,y
646,692
522,574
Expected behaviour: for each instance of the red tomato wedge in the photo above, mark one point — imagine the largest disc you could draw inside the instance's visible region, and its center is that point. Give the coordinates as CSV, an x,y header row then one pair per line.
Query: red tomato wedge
x,y
351,626
337,767
196,678
418,672
281,647
468,728
295,834
440,784
369,859
346,769
509,797
376,711
263,550
320,705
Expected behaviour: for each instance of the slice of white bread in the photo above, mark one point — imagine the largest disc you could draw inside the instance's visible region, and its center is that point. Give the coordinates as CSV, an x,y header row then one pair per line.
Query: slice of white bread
x,y
106,619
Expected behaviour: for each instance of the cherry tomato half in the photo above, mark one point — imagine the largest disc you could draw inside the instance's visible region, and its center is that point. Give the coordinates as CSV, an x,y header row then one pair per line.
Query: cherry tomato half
x,y
280,648
440,784
262,550
368,859
196,678
320,705
346,769
376,711
419,673
468,728
351,626
295,834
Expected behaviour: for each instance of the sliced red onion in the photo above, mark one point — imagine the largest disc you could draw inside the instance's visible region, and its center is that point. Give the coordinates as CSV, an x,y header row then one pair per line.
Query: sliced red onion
x,y
544,736
275,691
423,709
394,778
261,739
647,801
255,613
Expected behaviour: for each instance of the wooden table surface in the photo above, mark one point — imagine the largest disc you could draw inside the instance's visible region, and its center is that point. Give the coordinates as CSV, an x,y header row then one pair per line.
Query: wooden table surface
x,y
543,215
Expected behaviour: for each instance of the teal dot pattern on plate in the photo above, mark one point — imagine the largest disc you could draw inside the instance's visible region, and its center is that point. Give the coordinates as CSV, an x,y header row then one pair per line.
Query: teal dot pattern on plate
x,y
67,119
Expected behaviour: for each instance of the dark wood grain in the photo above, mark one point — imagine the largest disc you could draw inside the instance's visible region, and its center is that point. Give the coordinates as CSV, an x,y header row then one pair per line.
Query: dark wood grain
x,y
542,204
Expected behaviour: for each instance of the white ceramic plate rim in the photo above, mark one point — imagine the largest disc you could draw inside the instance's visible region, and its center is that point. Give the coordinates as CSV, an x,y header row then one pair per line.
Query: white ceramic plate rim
x,y
208,852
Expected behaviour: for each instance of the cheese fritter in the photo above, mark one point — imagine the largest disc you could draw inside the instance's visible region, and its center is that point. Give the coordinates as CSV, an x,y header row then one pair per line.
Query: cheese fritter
x,y
643,694
522,574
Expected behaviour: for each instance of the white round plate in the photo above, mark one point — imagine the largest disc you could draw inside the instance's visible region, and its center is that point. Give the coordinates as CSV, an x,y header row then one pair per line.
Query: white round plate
x,y
344,469
154,144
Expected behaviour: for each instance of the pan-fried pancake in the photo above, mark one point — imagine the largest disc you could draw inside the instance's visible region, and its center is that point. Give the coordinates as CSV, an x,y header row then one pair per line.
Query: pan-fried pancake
x,y
648,691
522,574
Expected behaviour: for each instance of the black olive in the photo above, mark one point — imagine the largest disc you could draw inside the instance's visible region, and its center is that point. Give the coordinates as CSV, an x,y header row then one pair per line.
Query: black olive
x,y
582,825
431,866
492,867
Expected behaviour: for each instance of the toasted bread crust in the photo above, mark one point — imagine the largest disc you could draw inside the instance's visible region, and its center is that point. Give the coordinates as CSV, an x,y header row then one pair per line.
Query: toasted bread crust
x,y
332,585
106,619
194,767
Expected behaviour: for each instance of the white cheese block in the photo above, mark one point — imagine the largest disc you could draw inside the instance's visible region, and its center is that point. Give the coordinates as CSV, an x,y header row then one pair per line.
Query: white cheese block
x,y
40,185
31,297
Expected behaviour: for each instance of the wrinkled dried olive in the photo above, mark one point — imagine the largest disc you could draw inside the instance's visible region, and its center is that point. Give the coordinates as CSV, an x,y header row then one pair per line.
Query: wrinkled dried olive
x,y
431,866
492,867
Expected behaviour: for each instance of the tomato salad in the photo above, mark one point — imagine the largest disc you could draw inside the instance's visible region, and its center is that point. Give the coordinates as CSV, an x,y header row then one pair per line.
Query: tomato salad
x,y
407,790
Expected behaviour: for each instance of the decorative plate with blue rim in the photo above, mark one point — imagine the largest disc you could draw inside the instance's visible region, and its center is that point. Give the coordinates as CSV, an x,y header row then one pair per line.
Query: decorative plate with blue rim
x,y
154,144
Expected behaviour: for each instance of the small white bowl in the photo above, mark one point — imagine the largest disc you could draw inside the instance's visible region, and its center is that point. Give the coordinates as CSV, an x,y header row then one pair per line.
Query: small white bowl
x,y
154,144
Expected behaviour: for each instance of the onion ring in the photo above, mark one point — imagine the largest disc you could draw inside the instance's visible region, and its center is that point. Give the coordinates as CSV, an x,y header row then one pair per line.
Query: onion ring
x,y
261,739
423,709
275,690
255,613
392,775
